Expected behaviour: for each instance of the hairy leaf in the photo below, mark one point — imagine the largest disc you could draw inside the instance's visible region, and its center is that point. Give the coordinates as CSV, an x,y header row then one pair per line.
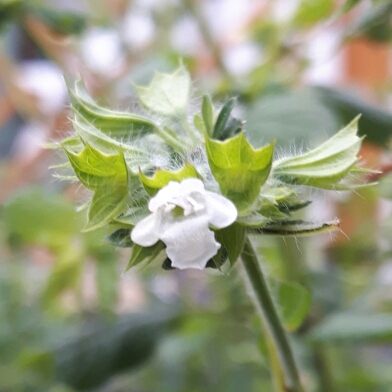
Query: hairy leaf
x,y
132,215
168,94
107,176
296,228
325,166
106,204
117,125
254,220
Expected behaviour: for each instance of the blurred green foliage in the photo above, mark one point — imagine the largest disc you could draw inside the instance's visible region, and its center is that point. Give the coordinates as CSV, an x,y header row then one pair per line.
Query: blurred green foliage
x,y
63,22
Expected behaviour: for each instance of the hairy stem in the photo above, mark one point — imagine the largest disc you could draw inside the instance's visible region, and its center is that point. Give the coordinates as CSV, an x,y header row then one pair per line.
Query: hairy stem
x,y
271,320
191,132
176,144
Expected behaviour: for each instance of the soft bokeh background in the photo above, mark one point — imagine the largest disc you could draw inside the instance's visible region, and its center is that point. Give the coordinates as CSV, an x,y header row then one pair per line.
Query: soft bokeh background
x,y
70,320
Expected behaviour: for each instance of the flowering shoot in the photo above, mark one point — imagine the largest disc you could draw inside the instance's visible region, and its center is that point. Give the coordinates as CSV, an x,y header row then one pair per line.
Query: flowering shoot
x,y
181,217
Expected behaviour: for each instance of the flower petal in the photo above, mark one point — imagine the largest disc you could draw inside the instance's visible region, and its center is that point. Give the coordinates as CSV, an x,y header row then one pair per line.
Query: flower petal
x,y
190,185
146,232
165,195
189,242
222,212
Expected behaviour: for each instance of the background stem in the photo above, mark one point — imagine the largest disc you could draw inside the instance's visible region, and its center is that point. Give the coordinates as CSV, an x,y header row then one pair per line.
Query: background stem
x,y
193,7
271,319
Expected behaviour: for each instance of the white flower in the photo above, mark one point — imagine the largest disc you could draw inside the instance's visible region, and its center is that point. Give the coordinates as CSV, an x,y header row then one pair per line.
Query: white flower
x,y
181,214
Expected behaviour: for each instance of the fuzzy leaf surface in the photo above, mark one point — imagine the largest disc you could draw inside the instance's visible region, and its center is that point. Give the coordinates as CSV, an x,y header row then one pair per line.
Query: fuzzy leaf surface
x,y
117,124
325,166
107,176
295,228
132,216
168,94
106,204
254,220
88,134
239,169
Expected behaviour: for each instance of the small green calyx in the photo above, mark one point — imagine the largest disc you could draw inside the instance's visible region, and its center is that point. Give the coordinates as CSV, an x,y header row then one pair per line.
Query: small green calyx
x,y
239,169
162,177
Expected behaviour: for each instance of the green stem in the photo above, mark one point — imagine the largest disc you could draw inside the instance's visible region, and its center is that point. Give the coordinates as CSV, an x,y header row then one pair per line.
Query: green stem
x,y
276,368
271,319
323,370
191,132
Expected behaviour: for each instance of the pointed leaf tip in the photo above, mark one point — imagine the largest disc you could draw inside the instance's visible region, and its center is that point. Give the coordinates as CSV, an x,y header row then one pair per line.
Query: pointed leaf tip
x,y
168,94
327,165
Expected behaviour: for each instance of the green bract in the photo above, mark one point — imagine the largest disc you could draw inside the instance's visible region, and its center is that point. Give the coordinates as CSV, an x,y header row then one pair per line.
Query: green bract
x,y
107,176
126,159
162,177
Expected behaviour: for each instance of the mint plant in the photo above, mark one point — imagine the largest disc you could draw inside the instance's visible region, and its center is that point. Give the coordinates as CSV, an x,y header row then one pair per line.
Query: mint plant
x,y
188,188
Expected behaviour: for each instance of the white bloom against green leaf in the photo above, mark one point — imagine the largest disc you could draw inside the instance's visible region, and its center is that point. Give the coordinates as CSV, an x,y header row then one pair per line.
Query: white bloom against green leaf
x,y
181,217
113,154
